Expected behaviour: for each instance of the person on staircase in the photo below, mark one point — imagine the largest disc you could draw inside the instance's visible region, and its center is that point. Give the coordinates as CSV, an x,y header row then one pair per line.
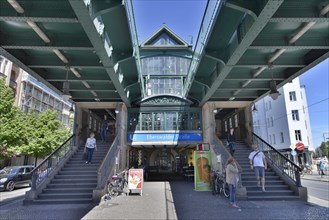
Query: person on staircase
x,y
231,141
259,165
104,129
90,147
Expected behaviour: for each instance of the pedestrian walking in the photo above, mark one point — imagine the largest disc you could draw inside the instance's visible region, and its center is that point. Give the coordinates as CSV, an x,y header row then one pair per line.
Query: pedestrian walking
x,y
232,179
90,147
231,141
321,166
259,165
104,128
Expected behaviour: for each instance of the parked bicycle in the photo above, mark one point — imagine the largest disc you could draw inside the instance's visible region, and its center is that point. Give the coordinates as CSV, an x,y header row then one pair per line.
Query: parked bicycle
x,y
306,170
219,184
117,185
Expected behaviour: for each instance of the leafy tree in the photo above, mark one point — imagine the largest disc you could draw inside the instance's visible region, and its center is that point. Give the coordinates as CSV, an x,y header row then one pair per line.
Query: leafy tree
x,y
45,134
325,149
12,130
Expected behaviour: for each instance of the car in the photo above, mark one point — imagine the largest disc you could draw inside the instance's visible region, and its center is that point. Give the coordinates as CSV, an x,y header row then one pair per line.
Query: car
x,y
13,176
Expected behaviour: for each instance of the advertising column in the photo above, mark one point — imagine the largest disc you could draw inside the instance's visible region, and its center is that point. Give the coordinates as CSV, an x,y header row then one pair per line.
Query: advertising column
x,y
202,161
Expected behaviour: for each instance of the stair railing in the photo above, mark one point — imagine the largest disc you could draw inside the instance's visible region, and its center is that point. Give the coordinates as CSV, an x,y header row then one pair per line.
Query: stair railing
x,y
42,171
284,164
108,164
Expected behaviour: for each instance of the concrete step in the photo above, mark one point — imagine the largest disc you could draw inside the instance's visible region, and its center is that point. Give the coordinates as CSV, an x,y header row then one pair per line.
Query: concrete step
x,y
66,196
61,201
90,180
93,176
268,192
268,187
73,185
265,197
67,190
268,178
77,172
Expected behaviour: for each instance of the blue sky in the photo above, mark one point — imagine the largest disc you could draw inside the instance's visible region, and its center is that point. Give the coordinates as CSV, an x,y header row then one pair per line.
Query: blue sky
x,y
184,18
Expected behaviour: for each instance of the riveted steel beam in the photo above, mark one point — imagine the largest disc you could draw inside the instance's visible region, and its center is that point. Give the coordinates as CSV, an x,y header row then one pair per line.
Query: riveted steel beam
x,y
39,19
299,19
245,41
87,24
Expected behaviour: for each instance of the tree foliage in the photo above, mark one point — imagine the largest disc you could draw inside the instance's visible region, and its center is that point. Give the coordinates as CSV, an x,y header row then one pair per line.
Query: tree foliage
x,y
324,149
32,134
12,130
45,134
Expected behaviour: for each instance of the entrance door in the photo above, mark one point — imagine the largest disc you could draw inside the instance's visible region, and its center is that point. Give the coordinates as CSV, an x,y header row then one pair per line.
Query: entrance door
x,y
164,161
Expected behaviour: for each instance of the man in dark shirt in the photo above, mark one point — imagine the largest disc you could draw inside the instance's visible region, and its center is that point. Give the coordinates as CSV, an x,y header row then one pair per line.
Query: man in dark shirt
x,y
104,128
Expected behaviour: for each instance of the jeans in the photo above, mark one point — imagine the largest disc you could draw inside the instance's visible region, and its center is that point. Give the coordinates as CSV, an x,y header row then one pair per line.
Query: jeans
x,y
231,146
103,134
89,152
232,193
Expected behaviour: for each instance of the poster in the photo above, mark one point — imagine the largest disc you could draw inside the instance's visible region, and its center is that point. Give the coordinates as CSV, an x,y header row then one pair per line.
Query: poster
x,y
135,179
202,161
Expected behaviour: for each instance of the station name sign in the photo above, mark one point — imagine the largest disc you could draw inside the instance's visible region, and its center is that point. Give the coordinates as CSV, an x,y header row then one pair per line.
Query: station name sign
x,y
165,137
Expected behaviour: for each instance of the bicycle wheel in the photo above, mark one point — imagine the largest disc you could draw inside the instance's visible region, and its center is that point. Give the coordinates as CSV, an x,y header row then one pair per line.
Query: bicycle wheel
x,y
226,190
310,172
110,190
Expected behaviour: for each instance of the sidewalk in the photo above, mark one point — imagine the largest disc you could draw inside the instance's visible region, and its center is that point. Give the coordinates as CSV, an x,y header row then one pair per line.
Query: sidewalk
x,y
169,200
316,177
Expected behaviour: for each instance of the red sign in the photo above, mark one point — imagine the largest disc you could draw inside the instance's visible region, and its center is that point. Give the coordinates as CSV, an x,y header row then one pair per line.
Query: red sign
x,y
300,146
135,179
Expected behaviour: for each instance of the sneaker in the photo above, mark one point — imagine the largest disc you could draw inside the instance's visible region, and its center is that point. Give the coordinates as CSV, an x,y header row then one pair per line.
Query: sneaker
x,y
235,206
263,189
86,161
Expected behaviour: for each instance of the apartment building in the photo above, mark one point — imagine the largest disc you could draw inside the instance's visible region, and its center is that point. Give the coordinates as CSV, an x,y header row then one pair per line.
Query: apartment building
x,y
285,121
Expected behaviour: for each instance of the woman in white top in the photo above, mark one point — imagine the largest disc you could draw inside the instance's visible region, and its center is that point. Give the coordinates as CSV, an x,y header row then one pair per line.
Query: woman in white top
x,y
232,179
90,147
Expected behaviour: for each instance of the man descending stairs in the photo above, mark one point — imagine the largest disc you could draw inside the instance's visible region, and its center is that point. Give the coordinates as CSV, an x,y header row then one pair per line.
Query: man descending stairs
x,y
75,182
276,189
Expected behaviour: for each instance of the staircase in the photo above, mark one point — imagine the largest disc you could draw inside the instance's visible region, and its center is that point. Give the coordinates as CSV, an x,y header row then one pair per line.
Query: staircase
x,y
75,182
276,189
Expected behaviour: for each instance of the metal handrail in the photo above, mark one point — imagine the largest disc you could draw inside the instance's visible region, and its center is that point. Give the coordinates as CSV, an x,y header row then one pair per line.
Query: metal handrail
x,y
106,168
41,172
277,159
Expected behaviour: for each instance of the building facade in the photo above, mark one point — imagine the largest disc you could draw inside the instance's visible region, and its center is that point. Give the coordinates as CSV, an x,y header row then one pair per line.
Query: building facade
x,y
285,121
29,93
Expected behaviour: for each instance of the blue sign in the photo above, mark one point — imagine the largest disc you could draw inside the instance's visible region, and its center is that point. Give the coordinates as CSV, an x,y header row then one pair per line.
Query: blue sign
x,y
165,137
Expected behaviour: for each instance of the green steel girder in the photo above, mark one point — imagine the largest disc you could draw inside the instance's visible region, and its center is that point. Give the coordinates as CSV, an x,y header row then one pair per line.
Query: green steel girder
x,y
246,39
20,64
39,19
83,15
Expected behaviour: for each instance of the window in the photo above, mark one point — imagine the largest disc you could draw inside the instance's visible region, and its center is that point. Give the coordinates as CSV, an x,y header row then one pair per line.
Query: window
x,y
298,135
282,137
230,122
269,105
225,126
295,115
270,139
292,96
274,142
268,122
236,120
272,124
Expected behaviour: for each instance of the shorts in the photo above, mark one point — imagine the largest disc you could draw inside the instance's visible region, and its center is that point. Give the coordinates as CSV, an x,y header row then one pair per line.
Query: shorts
x,y
259,171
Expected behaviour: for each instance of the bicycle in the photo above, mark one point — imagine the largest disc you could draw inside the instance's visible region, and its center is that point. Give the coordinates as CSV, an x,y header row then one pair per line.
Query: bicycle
x,y
117,186
219,184
306,170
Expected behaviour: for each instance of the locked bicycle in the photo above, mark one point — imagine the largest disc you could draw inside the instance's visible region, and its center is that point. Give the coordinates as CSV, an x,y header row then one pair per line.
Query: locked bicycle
x,y
219,184
117,185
